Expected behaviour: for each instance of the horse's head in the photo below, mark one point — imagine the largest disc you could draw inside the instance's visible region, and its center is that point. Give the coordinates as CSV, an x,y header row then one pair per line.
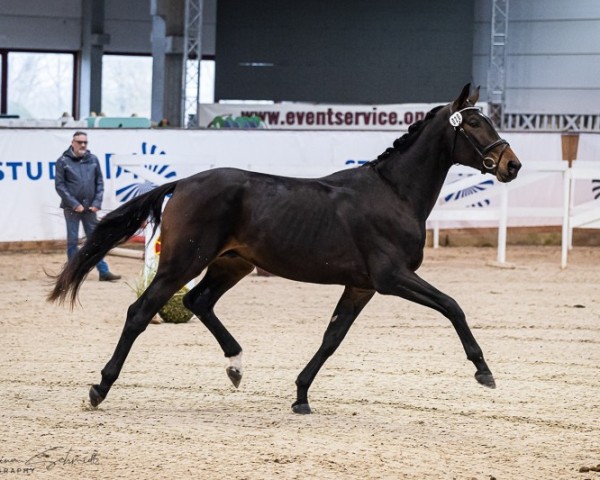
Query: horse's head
x,y
476,142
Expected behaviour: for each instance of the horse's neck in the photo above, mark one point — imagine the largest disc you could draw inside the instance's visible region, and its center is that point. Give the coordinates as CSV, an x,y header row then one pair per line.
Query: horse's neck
x,y
418,174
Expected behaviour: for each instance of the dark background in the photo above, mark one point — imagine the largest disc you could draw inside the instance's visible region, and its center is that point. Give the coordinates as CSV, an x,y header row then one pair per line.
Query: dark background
x,y
343,51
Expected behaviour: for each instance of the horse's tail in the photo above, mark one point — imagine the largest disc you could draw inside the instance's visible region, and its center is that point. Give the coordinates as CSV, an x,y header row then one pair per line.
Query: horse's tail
x,y
115,228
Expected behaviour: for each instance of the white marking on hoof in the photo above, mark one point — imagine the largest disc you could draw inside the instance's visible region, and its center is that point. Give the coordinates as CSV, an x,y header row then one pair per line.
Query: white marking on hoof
x,y
236,362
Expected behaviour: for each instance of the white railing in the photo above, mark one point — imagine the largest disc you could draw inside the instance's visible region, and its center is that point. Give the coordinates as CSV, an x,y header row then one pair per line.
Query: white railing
x,y
464,209
583,215
570,214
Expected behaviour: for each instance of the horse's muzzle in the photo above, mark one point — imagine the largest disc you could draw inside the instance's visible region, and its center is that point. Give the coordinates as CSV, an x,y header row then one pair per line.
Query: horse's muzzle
x,y
508,166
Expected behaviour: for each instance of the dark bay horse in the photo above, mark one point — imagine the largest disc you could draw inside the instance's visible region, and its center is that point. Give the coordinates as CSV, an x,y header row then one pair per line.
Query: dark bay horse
x,y
363,228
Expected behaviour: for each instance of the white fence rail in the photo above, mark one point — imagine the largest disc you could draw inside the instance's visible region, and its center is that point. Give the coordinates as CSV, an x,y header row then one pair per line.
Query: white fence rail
x,y
579,215
534,175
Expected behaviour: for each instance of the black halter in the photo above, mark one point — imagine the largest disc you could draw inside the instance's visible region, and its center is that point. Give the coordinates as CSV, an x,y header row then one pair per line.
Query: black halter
x,y
488,164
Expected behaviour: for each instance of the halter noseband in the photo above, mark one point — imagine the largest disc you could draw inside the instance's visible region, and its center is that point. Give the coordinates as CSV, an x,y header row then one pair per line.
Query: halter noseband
x,y
488,164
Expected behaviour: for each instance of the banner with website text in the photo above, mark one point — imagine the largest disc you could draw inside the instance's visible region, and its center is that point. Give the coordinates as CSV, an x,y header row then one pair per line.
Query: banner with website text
x,y
310,116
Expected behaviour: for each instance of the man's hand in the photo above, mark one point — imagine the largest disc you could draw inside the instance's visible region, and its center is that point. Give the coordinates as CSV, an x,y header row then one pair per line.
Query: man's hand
x,y
94,209
79,209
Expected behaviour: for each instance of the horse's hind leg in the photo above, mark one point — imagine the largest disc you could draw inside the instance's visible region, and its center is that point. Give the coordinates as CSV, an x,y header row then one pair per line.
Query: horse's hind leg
x,y
139,314
221,275
349,306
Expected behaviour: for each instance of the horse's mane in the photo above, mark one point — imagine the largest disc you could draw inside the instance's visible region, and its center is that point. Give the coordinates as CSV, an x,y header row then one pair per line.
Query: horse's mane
x,y
401,144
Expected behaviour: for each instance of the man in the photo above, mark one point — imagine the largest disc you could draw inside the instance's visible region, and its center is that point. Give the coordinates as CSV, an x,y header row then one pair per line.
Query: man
x,y
79,183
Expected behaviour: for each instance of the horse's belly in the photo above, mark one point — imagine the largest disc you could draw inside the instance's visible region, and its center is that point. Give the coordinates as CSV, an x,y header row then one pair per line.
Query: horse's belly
x,y
308,264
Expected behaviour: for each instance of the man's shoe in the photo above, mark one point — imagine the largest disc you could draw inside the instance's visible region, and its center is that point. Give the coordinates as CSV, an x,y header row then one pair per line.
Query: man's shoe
x,y
109,277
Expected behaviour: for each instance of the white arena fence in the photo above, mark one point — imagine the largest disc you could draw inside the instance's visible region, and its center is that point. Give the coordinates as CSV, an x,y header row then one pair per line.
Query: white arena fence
x,y
136,159
535,176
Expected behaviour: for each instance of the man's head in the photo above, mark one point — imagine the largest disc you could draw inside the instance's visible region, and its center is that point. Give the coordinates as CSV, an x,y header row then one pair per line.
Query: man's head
x,y
79,143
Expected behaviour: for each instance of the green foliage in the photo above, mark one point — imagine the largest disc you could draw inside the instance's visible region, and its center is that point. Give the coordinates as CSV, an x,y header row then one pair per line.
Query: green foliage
x,y
173,311
229,121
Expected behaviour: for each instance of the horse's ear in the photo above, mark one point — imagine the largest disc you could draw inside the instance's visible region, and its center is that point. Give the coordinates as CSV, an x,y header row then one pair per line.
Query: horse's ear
x,y
474,96
462,98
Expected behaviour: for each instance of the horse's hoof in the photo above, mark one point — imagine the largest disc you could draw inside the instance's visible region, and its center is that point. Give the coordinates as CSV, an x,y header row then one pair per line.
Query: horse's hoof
x,y
486,379
234,375
301,408
95,398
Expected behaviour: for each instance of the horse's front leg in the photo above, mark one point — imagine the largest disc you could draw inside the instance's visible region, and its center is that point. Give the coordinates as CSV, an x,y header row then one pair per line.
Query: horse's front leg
x,y
349,306
409,285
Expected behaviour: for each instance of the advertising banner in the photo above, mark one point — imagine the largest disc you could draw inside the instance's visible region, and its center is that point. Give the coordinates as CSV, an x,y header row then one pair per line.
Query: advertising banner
x,y
304,116
30,210
29,205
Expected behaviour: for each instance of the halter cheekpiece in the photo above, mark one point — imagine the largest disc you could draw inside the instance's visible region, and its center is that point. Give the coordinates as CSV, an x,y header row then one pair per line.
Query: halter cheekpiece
x,y
488,163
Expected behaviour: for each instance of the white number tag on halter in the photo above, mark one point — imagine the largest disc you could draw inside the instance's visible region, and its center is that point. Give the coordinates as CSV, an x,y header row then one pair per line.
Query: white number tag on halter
x,y
456,119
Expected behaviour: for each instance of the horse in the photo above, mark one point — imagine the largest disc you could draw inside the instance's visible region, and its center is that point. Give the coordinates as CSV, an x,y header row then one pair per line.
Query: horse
x,y
363,228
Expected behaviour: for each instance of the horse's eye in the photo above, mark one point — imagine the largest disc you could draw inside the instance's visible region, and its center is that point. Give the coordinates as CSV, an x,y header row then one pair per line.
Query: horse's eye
x,y
473,122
